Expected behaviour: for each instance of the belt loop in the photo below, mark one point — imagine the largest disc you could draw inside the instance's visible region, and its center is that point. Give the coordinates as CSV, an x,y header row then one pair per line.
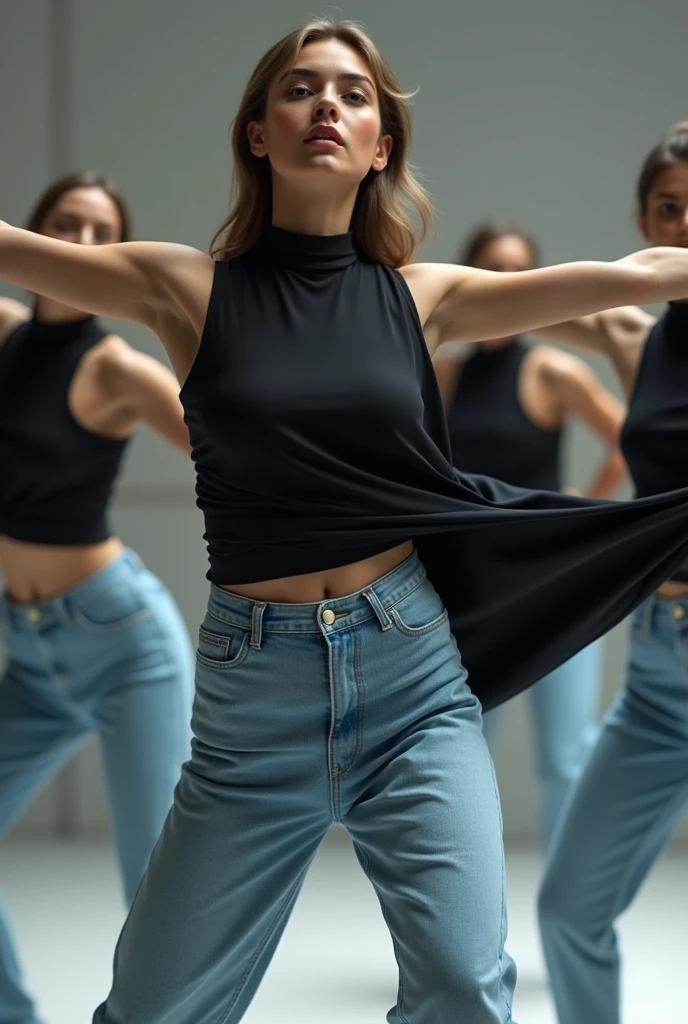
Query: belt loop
x,y
376,604
257,625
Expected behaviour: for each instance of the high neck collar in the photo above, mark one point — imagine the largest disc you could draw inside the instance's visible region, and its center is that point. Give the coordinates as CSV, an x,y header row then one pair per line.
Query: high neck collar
x,y
61,330
295,251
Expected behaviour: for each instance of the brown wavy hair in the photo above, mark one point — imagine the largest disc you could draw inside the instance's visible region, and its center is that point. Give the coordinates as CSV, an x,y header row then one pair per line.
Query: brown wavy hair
x,y
80,179
673,149
392,213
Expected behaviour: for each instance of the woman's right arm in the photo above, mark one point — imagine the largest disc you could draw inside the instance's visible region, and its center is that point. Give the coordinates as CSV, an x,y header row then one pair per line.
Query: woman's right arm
x,y
144,282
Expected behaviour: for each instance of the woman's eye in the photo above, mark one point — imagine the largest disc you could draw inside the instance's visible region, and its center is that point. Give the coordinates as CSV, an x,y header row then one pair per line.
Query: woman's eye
x,y
357,97
667,210
298,91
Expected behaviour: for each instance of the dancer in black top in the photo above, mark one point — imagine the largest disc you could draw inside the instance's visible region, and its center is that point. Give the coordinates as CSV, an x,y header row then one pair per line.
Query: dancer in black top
x,y
329,687
94,642
634,789
507,404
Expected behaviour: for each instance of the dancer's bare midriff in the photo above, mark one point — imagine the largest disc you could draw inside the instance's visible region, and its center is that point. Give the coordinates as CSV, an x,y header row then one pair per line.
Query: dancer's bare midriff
x,y
322,586
35,572
672,590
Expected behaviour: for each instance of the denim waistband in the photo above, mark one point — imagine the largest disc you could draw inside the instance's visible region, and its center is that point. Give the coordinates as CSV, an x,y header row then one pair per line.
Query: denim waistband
x,y
337,613
658,611
60,608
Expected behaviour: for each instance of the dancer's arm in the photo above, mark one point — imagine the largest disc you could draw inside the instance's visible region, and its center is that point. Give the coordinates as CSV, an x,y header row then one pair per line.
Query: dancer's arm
x,y
606,332
139,389
478,304
620,334
151,283
576,391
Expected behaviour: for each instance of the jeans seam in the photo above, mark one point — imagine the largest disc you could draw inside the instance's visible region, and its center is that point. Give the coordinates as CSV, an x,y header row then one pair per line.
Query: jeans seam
x,y
331,772
226,666
503,927
417,631
254,959
338,772
407,593
64,684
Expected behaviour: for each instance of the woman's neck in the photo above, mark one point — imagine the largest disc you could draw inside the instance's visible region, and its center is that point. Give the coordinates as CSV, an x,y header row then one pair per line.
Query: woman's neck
x,y
49,311
313,211
495,344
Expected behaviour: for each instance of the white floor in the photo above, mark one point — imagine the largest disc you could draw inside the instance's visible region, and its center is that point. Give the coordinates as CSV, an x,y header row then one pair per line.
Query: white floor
x,y
335,964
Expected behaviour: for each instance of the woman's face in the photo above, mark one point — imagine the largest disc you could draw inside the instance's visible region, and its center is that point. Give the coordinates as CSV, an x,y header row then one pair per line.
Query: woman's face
x,y
84,215
665,218
507,254
323,118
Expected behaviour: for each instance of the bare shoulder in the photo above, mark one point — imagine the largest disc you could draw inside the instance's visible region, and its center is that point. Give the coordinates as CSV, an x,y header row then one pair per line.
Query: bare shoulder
x,y
627,325
111,351
557,366
105,361
172,257
119,369
630,318
113,359
429,283
626,330
12,314
566,377
187,277
183,258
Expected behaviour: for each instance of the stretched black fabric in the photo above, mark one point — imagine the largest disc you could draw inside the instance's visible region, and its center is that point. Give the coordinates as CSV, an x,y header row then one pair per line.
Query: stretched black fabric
x,y
55,477
319,439
653,438
654,435
490,432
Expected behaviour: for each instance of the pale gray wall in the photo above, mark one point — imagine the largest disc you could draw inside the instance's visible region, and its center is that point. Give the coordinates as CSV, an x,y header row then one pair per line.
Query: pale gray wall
x,y
539,110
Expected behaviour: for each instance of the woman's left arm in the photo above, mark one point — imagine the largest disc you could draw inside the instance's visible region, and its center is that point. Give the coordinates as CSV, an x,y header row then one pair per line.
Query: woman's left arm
x,y
145,392
577,391
468,304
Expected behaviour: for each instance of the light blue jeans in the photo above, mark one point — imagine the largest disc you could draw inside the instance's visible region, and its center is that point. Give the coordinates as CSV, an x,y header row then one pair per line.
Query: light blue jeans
x,y
354,710
110,656
628,801
565,707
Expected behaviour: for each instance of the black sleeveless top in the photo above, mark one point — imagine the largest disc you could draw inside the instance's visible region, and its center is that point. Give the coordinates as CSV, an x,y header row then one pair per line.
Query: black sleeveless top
x,y
319,438
489,430
653,438
55,477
